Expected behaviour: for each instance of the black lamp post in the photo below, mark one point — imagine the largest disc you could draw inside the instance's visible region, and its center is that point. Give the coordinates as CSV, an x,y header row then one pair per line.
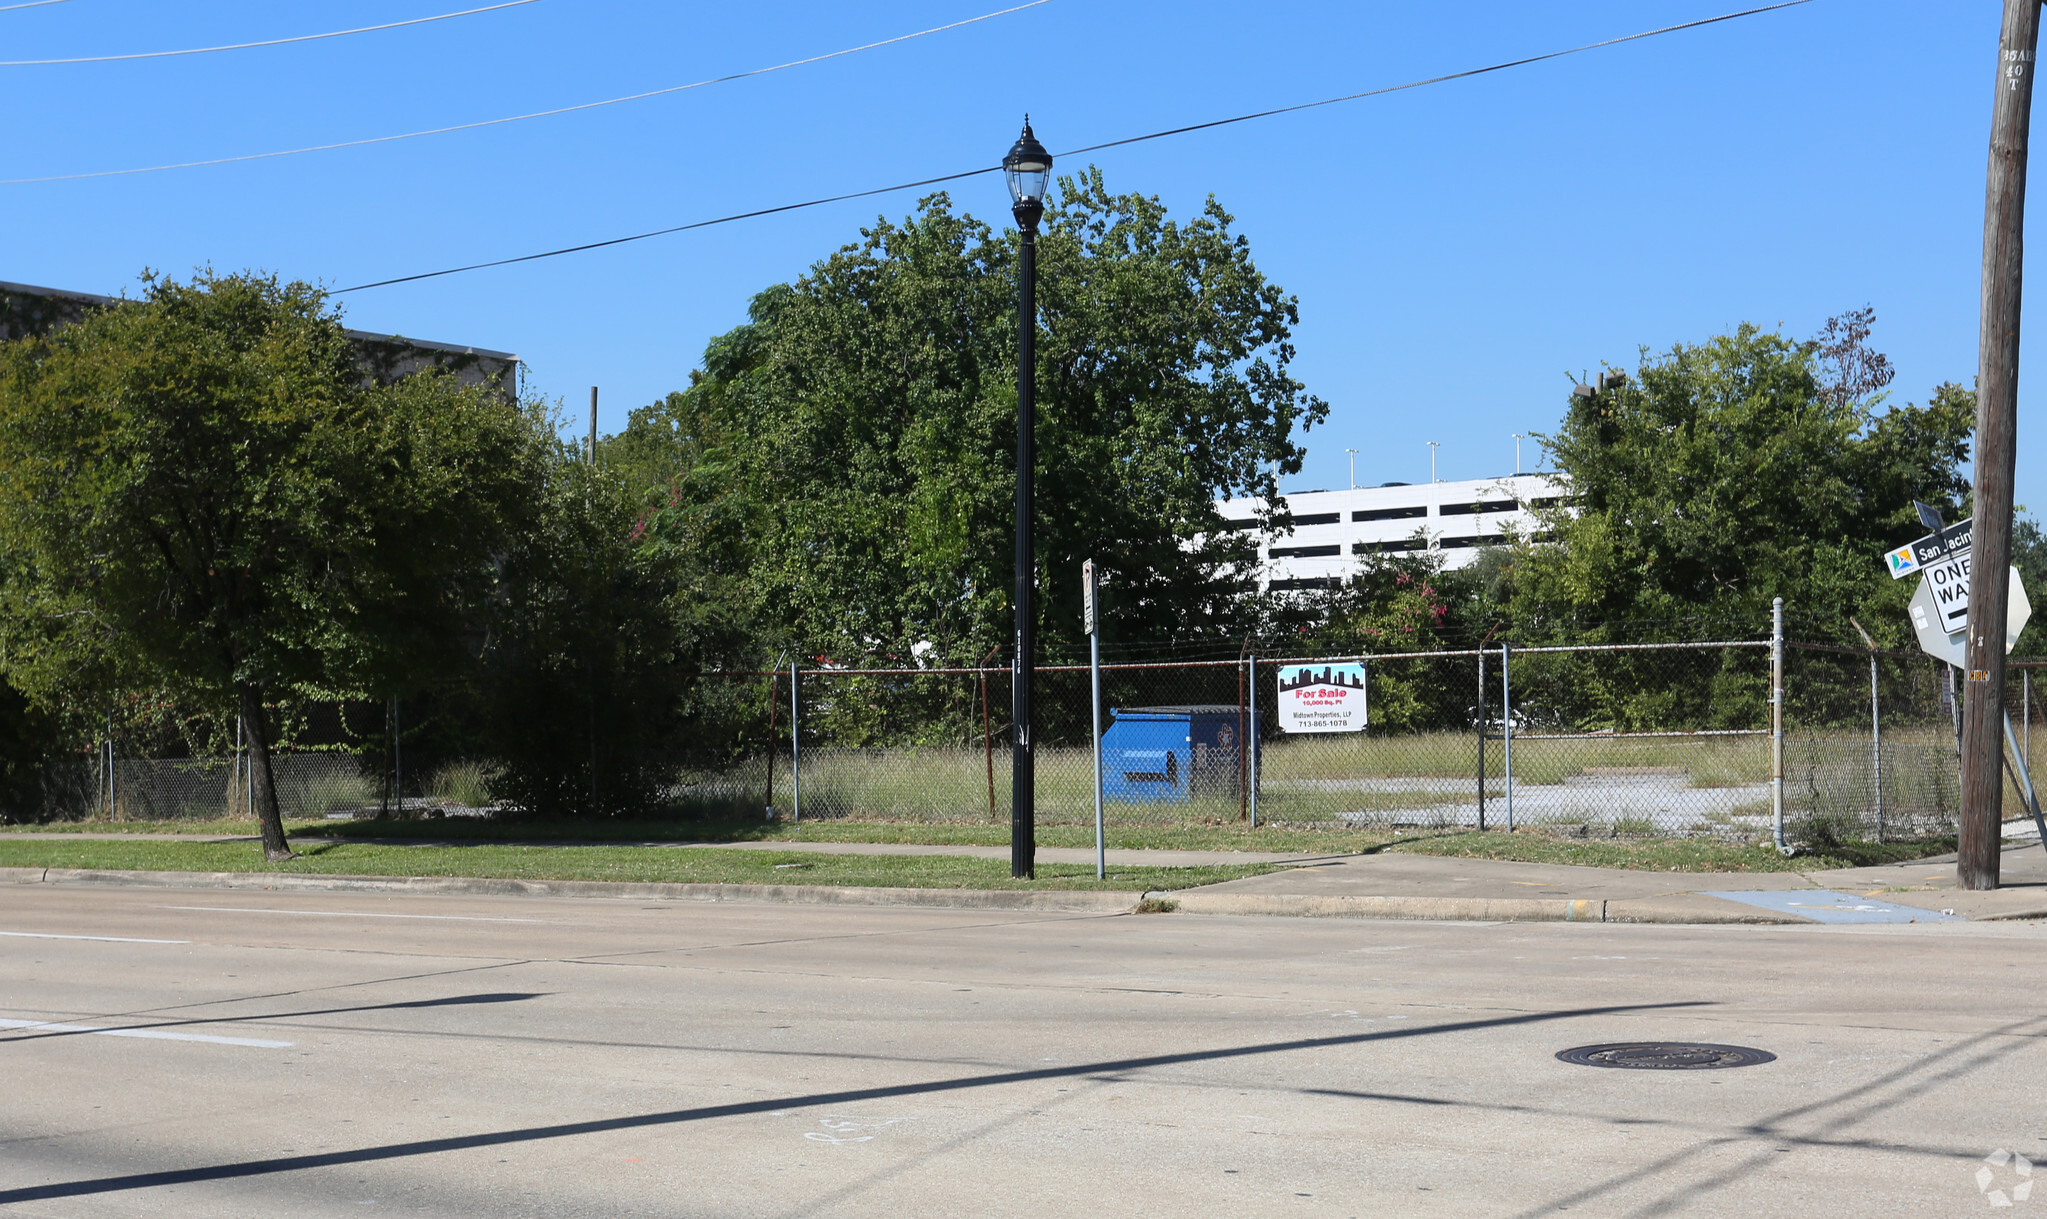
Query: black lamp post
x,y
1028,167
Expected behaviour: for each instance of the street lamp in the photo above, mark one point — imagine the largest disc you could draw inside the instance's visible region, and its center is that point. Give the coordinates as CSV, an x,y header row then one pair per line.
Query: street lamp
x,y
1353,468
1433,446
1517,452
1028,168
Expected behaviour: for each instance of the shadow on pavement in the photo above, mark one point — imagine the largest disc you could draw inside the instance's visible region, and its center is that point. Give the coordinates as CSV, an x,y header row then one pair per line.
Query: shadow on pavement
x,y
394,1151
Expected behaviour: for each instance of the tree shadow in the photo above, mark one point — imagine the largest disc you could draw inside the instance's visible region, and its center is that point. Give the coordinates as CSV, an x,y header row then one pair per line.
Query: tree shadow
x,y
501,1138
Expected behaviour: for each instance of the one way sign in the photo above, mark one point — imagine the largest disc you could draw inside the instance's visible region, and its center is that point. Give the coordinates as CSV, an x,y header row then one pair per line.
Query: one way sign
x,y
1948,584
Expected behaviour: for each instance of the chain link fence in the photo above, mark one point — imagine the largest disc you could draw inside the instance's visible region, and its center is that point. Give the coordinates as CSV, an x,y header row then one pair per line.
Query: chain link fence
x,y
1664,738
1653,738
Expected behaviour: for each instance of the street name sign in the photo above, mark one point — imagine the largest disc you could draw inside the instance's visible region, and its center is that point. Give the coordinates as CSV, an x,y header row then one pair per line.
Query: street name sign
x,y
1941,544
1322,698
1929,619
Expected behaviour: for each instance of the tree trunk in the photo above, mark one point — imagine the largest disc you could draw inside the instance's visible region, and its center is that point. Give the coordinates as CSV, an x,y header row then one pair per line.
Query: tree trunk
x,y
262,790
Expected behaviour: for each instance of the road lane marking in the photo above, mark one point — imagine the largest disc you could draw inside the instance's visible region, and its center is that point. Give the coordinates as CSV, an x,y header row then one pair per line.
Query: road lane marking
x,y
453,918
111,939
44,1026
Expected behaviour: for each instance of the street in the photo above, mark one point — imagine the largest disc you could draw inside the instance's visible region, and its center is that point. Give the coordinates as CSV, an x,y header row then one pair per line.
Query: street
x,y
196,1052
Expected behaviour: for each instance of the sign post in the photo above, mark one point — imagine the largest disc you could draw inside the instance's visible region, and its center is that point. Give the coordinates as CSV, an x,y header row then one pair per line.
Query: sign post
x,y
1940,617
1091,621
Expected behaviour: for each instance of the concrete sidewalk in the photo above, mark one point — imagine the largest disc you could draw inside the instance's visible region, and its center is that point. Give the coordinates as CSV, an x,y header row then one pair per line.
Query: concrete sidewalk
x,y
1393,885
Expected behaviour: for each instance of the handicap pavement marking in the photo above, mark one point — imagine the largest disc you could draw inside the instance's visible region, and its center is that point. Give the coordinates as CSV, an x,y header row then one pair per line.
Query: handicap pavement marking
x,y
1827,906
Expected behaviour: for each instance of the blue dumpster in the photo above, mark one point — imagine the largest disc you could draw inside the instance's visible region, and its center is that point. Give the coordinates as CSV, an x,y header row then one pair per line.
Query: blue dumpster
x,y
1168,754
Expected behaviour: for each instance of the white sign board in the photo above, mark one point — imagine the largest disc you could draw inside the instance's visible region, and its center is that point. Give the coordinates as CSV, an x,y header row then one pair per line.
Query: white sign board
x,y
1322,698
1948,582
1942,644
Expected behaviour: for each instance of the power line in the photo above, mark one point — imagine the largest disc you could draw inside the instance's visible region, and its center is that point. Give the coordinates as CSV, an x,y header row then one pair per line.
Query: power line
x,y
1136,139
243,46
8,8
519,118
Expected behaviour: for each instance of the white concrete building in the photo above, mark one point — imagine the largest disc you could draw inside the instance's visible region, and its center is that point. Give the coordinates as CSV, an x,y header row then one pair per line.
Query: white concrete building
x,y
1333,529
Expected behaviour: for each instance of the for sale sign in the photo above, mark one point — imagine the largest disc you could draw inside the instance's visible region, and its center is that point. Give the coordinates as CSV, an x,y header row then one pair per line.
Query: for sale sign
x,y
1322,698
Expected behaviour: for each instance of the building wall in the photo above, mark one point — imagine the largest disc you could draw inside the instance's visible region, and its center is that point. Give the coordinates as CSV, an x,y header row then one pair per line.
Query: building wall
x,y
26,309
1333,530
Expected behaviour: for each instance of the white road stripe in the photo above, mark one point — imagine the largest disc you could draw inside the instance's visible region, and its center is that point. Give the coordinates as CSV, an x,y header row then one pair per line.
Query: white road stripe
x,y
111,939
42,1026
452,918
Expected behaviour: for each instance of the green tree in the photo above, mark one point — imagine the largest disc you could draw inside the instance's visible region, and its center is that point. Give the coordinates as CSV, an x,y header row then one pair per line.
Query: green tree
x,y
855,440
1727,473
201,492
584,700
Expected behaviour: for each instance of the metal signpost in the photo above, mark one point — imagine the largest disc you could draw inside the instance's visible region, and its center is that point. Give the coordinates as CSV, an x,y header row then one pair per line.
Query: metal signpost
x,y
1091,620
1940,618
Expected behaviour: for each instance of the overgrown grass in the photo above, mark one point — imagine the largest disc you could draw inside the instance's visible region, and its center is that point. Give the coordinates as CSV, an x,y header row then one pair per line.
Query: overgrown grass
x,y
702,865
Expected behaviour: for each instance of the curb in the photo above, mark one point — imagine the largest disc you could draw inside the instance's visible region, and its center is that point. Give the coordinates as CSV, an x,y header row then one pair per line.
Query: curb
x,y
1478,909
1068,902
1671,910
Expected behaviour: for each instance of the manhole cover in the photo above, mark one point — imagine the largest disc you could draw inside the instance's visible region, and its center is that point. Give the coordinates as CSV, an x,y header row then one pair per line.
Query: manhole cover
x,y
1665,1056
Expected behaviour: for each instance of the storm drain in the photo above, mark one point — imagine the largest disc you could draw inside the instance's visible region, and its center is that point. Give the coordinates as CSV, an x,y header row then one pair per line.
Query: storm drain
x,y
1665,1056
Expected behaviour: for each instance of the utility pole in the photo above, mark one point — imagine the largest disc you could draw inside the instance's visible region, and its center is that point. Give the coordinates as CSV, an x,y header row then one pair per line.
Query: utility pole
x,y
1997,384
593,425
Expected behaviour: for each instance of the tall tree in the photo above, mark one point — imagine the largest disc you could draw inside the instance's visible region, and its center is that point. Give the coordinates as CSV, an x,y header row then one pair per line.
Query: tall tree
x,y
1747,467
201,491
862,426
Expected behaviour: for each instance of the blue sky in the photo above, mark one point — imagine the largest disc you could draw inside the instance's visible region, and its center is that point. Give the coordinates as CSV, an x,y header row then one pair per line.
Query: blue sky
x,y
1458,250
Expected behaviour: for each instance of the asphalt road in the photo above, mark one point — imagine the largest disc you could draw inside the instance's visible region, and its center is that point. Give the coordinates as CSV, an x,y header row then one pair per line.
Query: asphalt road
x,y
238,1053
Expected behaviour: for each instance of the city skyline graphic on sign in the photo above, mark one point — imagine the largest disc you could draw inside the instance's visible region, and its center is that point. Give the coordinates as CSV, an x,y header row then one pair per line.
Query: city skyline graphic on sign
x,y
1330,675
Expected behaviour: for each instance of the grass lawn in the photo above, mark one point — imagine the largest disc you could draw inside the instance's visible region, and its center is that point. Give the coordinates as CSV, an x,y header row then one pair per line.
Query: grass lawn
x,y
701,865
507,844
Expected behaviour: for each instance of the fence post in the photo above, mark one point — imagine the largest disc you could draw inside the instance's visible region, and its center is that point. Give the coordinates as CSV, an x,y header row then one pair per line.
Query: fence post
x,y
1777,724
988,735
795,762
1876,737
1876,747
1481,740
1252,744
1243,771
1507,731
107,770
397,754
774,697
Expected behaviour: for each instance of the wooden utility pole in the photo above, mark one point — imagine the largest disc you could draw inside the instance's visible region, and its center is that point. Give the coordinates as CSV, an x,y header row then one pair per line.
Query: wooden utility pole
x,y
593,425
1997,385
